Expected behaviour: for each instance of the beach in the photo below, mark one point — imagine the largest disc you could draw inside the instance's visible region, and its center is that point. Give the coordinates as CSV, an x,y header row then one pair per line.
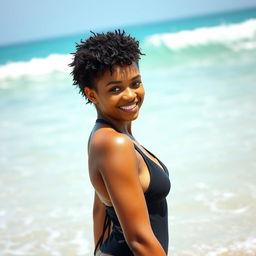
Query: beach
x,y
199,114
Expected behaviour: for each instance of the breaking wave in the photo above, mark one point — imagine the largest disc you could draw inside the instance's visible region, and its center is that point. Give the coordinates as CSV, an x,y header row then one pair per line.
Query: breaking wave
x,y
184,45
241,36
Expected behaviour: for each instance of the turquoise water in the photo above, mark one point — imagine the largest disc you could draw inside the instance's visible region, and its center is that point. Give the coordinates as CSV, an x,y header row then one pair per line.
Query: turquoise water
x,y
199,75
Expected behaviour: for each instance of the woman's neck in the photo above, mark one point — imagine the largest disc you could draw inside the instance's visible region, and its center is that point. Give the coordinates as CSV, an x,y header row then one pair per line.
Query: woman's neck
x,y
122,126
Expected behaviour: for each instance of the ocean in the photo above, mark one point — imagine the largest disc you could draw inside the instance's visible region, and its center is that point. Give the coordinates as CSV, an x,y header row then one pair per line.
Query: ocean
x,y
198,117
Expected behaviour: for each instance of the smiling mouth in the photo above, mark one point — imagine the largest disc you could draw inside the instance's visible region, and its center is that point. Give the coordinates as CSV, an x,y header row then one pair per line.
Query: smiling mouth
x,y
129,108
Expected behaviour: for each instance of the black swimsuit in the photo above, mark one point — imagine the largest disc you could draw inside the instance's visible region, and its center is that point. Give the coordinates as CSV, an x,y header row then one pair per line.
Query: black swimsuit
x,y
155,197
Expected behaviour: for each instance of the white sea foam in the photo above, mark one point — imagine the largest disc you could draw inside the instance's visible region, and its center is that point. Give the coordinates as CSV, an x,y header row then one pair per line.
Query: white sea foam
x,y
218,198
2,213
240,36
246,247
55,213
237,37
201,185
28,220
81,244
36,66
53,235
25,249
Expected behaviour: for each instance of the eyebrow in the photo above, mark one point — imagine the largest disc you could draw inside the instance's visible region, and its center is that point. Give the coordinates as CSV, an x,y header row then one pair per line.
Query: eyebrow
x,y
119,82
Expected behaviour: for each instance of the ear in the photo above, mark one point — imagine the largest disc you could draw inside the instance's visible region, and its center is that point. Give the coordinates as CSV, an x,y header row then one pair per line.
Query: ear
x,y
90,94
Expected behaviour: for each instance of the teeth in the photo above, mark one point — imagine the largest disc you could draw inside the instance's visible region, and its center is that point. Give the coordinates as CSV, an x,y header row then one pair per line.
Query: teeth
x,y
129,107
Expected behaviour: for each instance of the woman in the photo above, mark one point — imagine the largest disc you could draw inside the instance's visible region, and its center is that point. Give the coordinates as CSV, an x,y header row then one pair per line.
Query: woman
x,y
130,183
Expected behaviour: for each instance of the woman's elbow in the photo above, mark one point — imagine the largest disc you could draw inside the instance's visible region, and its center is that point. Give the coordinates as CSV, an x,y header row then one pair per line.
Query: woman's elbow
x,y
142,245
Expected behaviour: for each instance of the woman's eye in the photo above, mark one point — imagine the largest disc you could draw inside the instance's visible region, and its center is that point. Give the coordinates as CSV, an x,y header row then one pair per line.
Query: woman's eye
x,y
136,84
115,89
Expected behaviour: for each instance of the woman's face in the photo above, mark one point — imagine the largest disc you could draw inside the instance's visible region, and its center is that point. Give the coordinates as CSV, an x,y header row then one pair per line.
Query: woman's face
x,y
118,95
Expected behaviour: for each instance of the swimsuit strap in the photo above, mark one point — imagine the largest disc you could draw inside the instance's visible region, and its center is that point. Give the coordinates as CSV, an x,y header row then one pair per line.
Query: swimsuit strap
x,y
99,120
106,226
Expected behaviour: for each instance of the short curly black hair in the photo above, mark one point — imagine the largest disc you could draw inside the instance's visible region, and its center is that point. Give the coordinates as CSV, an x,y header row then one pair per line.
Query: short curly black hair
x,y
99,52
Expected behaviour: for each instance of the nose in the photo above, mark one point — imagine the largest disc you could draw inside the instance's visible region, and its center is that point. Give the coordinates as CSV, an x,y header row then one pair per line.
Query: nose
x,y
129,94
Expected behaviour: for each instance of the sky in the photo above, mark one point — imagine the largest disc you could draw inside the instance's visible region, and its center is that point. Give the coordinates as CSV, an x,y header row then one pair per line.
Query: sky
x,y
26,20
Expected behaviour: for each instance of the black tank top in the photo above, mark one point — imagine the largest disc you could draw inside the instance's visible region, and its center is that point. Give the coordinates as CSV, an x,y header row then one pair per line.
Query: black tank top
x,y
155,197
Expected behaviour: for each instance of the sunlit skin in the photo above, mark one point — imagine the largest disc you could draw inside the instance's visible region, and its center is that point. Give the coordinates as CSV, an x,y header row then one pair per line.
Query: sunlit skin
x,y
117,171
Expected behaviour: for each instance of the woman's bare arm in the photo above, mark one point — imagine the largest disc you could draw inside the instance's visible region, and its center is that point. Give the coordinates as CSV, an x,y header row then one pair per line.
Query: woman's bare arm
x,y
117,163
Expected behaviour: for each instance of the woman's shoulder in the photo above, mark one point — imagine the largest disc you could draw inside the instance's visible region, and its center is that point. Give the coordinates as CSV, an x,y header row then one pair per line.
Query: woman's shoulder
x,y
107,139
